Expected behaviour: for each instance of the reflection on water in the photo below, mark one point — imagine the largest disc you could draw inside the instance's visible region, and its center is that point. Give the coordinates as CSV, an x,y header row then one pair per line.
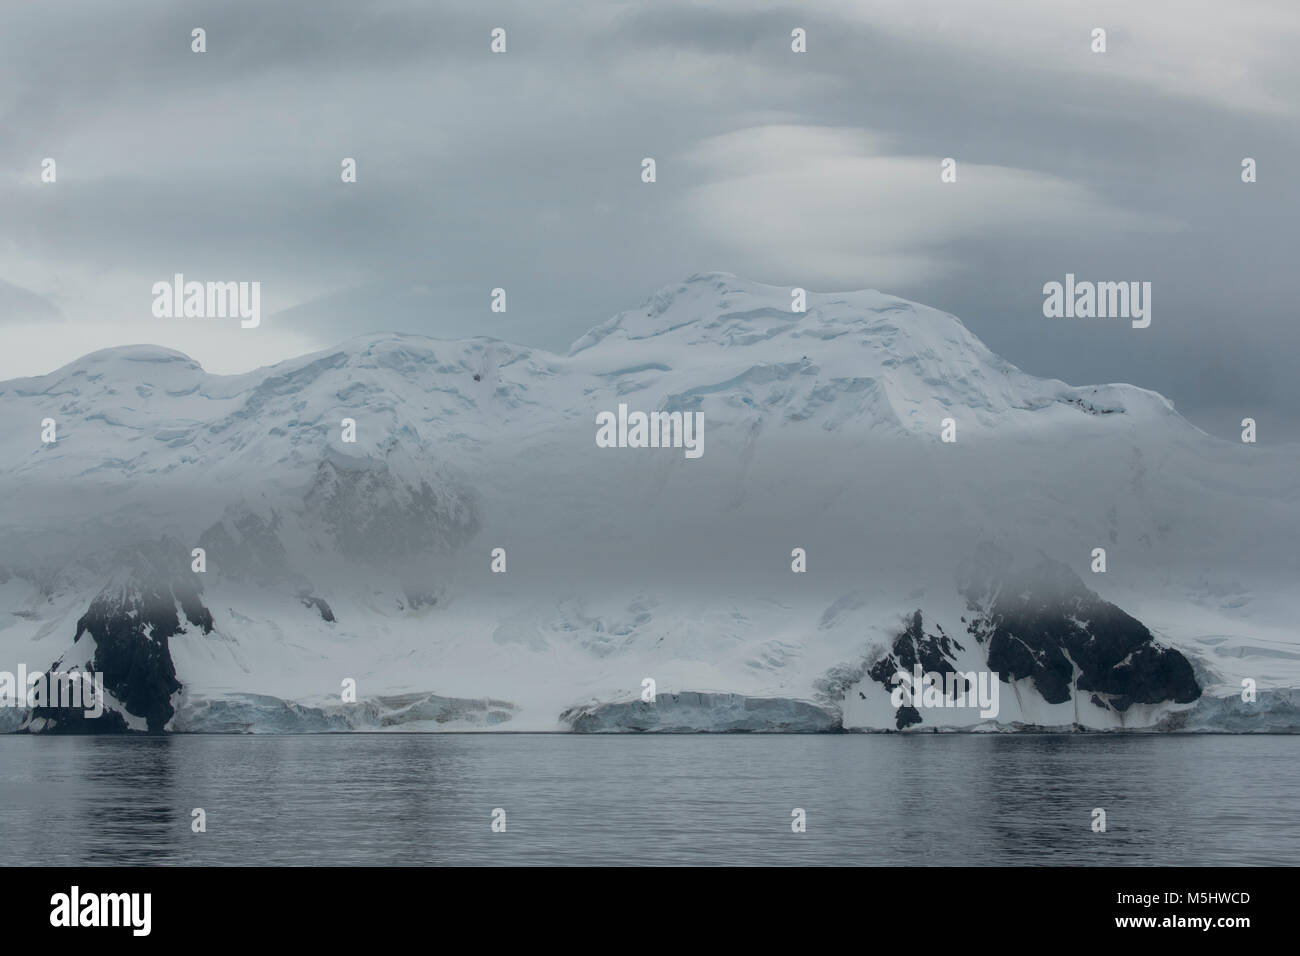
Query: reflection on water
x,y
424,799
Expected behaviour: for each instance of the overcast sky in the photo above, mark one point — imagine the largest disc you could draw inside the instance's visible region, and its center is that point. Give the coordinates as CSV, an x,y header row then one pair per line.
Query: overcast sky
x,y
523,170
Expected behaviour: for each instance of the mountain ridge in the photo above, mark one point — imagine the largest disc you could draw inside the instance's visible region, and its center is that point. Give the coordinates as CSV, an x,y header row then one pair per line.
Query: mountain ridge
x,y
373,559
721,284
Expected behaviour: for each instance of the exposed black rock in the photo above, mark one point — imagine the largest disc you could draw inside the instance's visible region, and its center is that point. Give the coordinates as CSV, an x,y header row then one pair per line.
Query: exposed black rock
x,y
1043,623
934,653
128,624
1039,623
310,600
67,720
907,716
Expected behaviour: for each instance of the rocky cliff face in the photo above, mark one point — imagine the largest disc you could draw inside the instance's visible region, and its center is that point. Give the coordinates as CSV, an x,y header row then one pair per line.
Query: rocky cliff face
x,y
123,638
1043,625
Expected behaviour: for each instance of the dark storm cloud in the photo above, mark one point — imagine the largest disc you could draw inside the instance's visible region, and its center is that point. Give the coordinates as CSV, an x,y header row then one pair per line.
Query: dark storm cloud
x,y
522,170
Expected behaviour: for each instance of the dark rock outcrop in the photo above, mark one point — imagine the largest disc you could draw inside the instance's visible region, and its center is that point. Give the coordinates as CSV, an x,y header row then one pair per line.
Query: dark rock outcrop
x,y
912,647
310,600
125,634
1042,623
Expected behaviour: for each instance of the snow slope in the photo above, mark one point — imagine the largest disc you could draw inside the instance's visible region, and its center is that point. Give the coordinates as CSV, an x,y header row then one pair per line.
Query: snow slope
x,y
370,561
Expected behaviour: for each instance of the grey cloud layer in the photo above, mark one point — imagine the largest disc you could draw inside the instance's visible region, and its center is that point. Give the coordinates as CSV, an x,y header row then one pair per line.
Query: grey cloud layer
x,y
522,170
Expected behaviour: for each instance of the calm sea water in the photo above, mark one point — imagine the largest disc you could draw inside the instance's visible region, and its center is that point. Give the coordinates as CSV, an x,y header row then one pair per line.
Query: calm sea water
x,y
421,799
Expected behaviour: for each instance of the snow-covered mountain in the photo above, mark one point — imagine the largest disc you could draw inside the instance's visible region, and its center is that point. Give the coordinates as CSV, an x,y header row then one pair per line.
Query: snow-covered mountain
x,y
371,561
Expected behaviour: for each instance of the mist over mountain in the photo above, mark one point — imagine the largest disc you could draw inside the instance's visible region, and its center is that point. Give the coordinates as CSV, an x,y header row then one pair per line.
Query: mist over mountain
x,y
371,561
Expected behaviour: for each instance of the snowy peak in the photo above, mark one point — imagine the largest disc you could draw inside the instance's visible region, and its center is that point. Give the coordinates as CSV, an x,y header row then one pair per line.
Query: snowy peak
x,y
743,352
733,349
719,309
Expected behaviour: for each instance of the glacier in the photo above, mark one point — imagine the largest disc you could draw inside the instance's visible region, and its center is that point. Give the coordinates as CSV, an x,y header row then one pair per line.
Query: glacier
x,y
332,564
